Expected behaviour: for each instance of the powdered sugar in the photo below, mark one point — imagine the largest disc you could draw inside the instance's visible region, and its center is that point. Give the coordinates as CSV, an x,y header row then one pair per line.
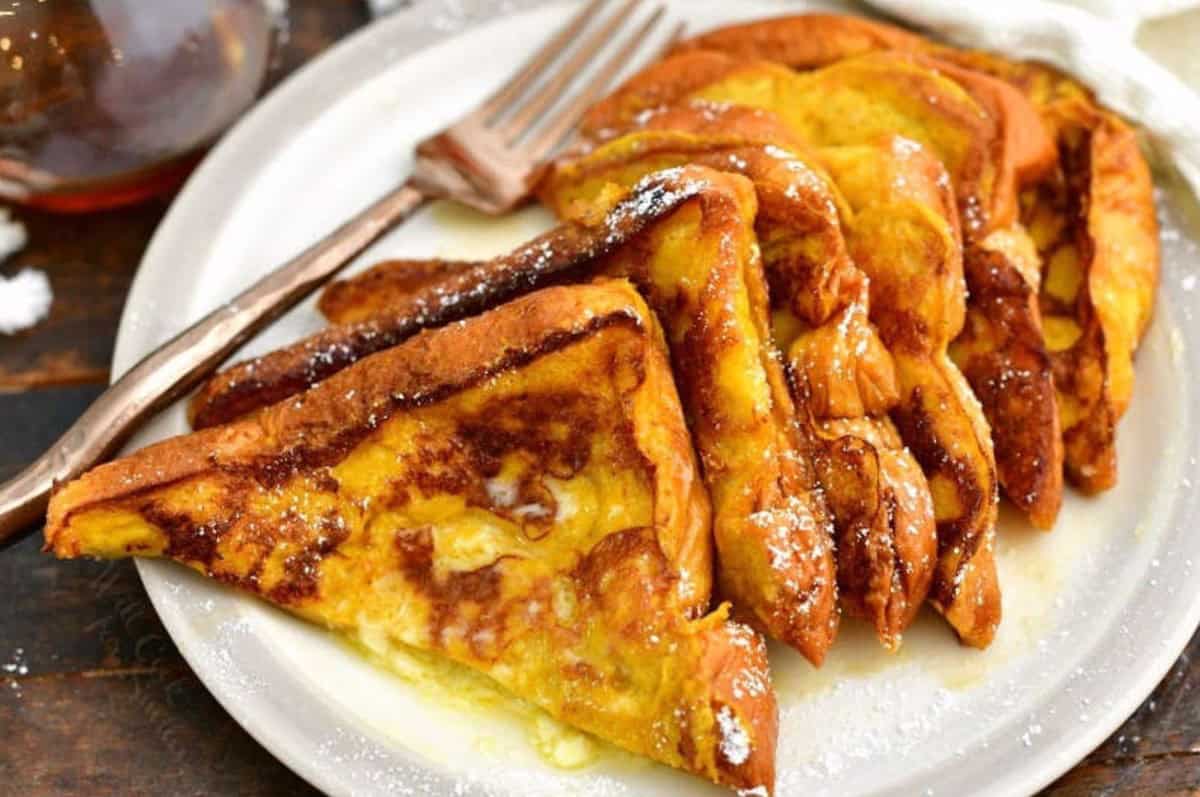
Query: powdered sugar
x,y
24,300
12,235
501,492
735,743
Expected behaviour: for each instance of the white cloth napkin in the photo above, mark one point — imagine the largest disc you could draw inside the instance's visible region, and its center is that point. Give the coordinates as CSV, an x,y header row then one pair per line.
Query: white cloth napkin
x,y
1099,51
1129,14
383,6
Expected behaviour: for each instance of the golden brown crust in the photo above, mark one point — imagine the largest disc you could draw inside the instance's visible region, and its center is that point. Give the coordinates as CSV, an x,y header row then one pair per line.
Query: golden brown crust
x,y
725,726
731,653
805,41
660,85
1095,225
904,237
1024,149
370,294
812,41
845,369
887,548
857,100
312,427
1001,353
798,214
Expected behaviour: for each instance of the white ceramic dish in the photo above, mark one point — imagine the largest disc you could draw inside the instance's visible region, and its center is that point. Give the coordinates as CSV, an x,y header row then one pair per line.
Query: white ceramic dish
x,y
1095,612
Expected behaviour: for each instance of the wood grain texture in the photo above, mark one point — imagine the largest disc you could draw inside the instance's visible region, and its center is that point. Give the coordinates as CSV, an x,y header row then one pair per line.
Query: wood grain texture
x,y
94,697
77,617
130,733
1162,776
90,260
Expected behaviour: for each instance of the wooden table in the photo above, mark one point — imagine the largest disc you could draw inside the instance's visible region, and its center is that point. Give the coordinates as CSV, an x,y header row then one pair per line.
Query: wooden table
x,y
94,697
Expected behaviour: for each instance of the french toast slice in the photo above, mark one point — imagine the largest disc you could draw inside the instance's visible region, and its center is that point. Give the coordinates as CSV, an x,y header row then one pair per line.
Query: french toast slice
x,y
843,378
685,238
1094,224
517,493
1091,215
868,99
904,237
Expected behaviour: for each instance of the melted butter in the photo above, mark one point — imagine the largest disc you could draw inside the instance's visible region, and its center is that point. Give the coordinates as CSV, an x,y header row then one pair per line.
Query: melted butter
x,y
468,234
447,683
471,543
562,746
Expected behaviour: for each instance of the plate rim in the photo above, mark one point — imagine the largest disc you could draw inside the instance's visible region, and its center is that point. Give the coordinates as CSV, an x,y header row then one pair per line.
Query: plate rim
x,y
196,198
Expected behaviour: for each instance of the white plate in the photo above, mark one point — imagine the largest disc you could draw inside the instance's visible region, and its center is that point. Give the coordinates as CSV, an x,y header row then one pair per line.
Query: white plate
x,y
1095,612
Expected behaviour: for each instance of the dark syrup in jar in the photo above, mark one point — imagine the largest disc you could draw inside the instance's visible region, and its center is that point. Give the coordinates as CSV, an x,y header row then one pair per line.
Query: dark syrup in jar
x,y
103,102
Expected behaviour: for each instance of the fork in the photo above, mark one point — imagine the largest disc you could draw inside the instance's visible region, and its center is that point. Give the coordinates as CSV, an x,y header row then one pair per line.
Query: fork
x,y
485,160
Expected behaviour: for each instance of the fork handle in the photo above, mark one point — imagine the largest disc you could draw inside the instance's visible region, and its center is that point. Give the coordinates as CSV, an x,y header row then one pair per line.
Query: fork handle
x,y
171,370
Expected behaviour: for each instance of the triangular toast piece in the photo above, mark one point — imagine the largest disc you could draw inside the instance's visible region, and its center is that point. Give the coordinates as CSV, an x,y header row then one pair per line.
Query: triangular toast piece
x,y
516,492
1091,215
685,237
977,136
844,381
562,254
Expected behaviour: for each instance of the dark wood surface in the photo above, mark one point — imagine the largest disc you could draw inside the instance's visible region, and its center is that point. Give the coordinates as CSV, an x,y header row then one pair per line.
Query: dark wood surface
x,y
94,698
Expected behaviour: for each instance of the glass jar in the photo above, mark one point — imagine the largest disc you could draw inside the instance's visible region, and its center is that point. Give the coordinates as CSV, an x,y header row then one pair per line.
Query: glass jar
x,y
104,102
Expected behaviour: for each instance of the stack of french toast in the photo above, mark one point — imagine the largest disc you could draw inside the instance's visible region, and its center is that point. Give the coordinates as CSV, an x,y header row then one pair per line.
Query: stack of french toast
x,y
823,289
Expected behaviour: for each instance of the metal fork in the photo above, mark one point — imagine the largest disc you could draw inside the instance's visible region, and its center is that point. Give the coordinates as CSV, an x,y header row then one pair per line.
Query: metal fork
x,y
485,160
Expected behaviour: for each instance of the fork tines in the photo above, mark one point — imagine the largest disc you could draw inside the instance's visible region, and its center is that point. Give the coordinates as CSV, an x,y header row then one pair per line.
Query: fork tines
x,y
529,113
